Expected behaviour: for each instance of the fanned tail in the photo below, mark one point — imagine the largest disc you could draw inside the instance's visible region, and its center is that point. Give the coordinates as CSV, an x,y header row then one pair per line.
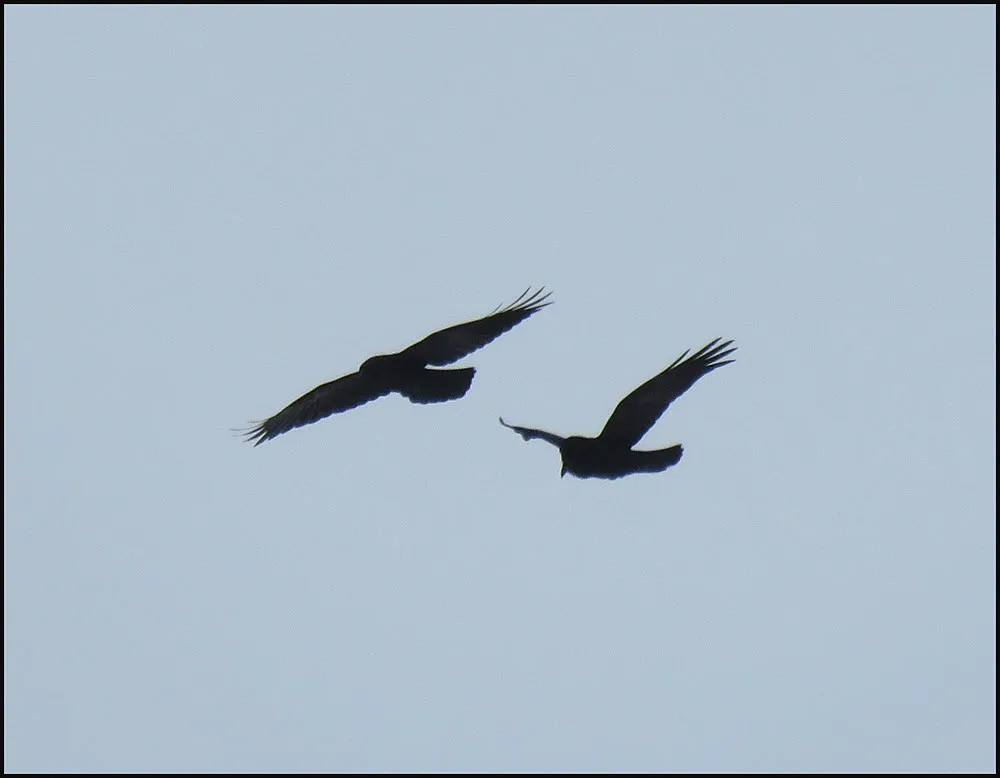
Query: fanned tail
x,y
435,386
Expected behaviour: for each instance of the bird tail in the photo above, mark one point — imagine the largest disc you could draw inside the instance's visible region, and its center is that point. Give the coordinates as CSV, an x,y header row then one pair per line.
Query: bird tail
x,y
657,460
435,386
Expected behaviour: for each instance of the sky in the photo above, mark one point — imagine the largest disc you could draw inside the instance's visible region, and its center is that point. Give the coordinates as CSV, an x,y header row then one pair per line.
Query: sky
x,y
210,210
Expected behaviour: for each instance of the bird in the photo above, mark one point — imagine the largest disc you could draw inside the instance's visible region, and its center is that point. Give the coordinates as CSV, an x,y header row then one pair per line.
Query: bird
x,y
407,372
610,454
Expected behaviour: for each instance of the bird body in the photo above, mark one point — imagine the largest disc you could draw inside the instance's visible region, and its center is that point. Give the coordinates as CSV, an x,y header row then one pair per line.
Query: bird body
x,y
595,458
410,377
611,454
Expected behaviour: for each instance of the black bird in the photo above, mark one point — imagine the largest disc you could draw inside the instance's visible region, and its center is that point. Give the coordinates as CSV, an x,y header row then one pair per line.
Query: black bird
x,y
610,454
406,372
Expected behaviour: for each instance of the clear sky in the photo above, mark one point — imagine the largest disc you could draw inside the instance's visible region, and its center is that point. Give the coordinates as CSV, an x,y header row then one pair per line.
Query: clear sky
x,y
208,211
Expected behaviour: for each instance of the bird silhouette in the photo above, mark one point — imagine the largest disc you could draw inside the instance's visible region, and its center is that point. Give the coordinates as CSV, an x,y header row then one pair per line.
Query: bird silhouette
x,y
610,454
406,371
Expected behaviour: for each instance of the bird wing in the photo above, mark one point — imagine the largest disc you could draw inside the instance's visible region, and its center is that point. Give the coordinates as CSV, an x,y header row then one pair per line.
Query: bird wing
x,y
639,411
344,393
451,344
530,434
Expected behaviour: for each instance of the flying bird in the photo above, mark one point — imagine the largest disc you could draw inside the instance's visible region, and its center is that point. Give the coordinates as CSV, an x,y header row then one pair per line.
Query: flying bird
x,y
610,454
406,371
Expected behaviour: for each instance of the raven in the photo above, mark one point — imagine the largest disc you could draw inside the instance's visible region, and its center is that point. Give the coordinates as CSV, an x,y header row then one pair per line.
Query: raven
x,y
610,454
405,372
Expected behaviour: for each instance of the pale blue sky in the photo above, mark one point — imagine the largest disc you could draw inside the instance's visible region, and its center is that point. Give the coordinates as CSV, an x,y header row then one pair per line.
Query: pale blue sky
x,y
208,211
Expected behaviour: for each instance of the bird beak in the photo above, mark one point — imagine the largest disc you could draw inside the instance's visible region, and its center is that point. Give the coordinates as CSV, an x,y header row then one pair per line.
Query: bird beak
x,y
562,472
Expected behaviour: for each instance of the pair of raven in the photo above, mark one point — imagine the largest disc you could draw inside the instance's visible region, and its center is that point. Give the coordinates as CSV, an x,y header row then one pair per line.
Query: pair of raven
x,y
410,372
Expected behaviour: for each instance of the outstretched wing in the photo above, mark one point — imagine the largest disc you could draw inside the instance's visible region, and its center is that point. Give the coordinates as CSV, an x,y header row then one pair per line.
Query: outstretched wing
x,y
530,434
639,411
333,397
451,344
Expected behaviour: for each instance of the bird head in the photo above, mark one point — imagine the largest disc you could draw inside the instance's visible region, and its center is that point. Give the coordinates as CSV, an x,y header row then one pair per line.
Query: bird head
x,y
376,364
